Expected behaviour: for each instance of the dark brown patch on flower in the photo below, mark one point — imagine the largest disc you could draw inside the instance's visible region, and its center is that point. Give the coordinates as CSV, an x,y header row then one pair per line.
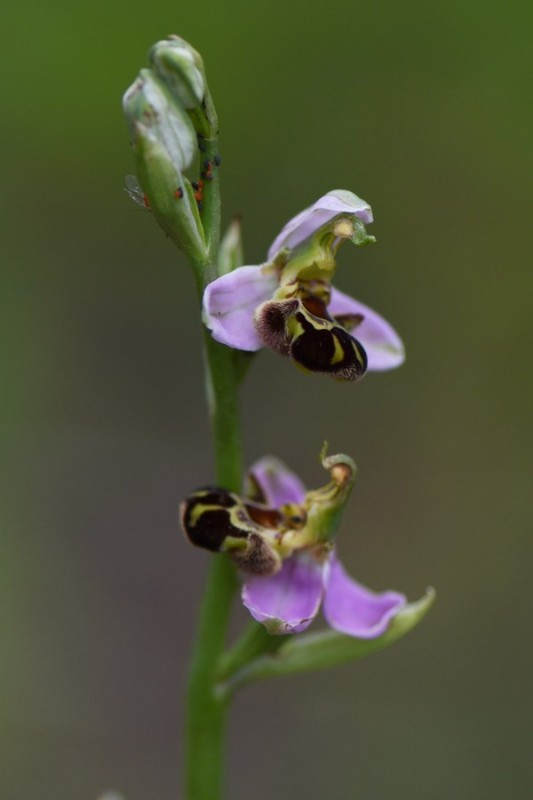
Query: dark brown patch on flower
x,y
304,330
211,529
206,521
213,518
264,516
258,558
328,349
316,307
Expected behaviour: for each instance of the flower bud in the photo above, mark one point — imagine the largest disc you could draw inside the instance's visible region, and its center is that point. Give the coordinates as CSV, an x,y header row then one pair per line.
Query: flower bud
x,y
164,143
146,103
181,69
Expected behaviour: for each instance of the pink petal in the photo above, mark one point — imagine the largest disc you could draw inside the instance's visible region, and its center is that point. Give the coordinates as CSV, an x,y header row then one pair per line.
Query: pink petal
x,y
351,608
288,601
307,222
277,483
229,305
383,346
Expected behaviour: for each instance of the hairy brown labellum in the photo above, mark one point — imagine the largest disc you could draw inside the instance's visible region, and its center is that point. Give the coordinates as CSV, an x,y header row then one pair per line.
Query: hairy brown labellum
x,y
206,520
304,331
219,521
258,558
271,323
330,350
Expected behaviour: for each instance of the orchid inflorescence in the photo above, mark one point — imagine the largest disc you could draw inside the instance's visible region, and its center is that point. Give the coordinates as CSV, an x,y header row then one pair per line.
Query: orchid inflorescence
x,y
280,536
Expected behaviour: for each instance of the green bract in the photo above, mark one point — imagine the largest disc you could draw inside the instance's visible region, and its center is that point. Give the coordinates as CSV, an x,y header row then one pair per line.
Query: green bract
x,y
315,651
147,103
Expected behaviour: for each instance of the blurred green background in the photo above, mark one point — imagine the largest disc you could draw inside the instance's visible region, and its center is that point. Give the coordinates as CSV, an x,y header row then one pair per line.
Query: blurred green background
x,y
423,109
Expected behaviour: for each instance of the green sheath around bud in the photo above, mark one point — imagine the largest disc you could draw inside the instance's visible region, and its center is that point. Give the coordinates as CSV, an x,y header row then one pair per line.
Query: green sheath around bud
x,y
173,205
146,102
164,143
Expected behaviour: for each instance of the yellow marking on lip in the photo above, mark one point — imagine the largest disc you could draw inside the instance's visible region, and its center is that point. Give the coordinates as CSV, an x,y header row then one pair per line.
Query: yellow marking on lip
x,y
339,354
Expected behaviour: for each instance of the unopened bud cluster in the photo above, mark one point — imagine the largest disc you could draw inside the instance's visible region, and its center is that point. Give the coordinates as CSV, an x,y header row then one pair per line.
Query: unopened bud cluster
x,y
172,123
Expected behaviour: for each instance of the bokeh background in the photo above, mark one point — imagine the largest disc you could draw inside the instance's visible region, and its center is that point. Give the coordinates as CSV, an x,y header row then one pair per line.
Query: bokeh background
x,y
422,108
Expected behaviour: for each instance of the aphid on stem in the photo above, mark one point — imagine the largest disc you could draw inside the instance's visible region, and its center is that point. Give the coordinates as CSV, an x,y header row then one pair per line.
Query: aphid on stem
x,y
198,187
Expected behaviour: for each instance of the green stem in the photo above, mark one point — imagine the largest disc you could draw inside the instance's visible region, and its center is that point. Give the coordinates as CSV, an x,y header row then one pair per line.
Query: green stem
x,y
206,715
206,711
222,398
211,196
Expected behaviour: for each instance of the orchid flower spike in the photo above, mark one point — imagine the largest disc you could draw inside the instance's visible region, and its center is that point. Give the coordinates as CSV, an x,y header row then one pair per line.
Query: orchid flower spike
x,y
289,304
282,537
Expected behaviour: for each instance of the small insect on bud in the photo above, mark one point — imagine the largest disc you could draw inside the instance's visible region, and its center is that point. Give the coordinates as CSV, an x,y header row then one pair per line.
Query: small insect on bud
x,y
198,186
207,172
134,190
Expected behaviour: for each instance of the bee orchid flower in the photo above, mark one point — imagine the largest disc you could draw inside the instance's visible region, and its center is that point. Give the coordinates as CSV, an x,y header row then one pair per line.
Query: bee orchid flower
x,y
289,304
281,536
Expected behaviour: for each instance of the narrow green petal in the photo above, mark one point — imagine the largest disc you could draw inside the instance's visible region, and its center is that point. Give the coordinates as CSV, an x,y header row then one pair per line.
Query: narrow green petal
x,y
230,255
